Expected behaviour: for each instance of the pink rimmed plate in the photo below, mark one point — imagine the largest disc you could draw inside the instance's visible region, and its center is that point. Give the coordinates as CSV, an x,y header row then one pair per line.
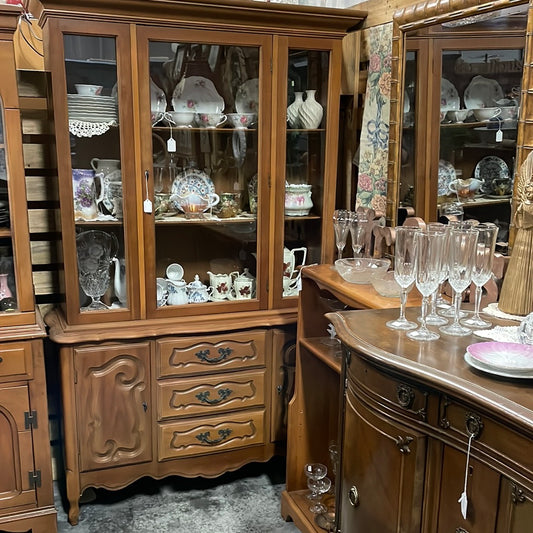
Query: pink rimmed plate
x,y
510,357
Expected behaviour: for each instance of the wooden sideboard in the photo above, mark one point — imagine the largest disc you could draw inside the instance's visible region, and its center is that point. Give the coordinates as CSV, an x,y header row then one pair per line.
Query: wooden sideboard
x,y
408,410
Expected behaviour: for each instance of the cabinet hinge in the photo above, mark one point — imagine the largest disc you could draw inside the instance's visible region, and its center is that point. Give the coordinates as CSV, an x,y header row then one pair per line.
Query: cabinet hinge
x,y
35,478
30,419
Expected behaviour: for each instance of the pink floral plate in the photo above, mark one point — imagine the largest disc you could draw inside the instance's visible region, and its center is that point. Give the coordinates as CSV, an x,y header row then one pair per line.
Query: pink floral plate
x,y
474,363
508,356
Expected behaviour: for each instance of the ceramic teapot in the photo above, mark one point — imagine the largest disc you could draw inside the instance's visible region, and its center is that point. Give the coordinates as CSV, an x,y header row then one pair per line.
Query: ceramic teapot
x,y
243,286
221,285
119,280
197,291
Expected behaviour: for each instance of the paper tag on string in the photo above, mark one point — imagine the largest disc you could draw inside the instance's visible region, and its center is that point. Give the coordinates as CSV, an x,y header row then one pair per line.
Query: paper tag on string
x,y
499,136
147,206
463,500
171,145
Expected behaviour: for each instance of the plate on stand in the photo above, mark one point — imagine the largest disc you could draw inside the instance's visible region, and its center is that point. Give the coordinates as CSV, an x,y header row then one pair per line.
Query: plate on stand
x,y
192,180
247,97
198,94
446,176
491,168
482,92
449,97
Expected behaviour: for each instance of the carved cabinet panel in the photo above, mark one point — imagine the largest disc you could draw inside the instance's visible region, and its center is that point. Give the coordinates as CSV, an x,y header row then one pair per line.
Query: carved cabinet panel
x,y
113,405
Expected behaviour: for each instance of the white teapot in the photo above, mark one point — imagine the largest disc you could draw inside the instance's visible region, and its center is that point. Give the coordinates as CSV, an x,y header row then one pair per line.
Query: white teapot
x,y
177,292
198,292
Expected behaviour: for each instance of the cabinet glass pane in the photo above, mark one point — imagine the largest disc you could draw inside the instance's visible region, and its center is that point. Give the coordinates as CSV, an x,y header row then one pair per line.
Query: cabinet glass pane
x,y
93,104
8,292
205,115
304,165
478,145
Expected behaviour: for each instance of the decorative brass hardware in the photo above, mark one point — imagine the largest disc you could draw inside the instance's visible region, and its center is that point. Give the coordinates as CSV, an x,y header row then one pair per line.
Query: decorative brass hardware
x,y
405,396
403,444
222,393
517,494
204,437
353,496
224,353
444,423
474,425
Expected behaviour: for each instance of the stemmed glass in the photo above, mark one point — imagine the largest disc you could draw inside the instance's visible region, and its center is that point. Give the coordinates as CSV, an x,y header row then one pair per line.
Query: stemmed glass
x,y
320,486
404,272
437,300
357,232
461,256
482,271
341,224
429,248
314,473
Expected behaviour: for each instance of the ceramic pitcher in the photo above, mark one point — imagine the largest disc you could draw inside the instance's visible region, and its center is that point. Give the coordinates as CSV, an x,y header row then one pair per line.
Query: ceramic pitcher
x,y
84,194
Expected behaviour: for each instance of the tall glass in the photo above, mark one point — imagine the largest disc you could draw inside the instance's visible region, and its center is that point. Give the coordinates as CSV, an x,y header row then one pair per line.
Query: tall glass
x,y
482,271
436,299
341,224
358,225
404,272
461,254
429,248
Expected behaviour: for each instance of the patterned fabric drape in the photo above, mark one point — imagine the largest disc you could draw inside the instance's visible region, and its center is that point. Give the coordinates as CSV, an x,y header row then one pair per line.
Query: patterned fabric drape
x,y
374,144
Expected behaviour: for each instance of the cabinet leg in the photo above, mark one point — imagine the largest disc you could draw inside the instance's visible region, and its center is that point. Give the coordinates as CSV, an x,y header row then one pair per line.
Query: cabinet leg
x,y
73,496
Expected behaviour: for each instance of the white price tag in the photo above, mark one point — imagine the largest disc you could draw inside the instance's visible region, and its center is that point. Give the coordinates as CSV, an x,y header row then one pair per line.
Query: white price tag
x,y
147,206
499,136
171,145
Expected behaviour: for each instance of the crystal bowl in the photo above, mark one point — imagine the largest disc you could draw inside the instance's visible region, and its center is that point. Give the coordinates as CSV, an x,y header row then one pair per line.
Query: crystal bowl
x,y
386,286
361,269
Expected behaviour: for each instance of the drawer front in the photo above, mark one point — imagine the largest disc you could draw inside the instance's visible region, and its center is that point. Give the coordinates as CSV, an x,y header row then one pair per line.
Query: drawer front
x,y
210,353
210,394
493,438
211,435
399,395
15,359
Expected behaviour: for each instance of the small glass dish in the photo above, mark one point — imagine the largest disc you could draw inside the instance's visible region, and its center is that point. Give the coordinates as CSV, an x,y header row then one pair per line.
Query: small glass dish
x,y
387,285
361,269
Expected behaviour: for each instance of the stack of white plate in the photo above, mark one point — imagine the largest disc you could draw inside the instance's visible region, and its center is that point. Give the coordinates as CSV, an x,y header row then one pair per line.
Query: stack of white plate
x,y
92,108
506,359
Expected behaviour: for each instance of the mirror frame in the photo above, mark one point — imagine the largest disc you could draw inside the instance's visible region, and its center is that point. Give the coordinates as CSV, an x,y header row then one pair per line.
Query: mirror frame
x,y
428,13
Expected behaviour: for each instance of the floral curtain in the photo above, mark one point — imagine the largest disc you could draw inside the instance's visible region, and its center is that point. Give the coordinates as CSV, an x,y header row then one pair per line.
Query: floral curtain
x,y
374,143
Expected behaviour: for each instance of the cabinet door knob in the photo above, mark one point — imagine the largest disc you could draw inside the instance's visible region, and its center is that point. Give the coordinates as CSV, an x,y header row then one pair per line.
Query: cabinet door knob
x,y
353,496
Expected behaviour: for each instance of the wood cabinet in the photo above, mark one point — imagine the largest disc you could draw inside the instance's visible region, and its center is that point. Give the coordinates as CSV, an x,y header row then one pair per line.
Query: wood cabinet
x,y
409,411
182,251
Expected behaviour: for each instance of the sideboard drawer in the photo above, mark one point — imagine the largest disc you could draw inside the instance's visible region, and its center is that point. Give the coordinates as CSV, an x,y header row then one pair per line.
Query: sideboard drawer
x,y
210,353
15,359
210,394
215,434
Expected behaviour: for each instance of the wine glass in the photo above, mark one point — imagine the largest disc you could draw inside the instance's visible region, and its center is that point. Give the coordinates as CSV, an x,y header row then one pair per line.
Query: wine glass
x,y
320,486
482,271
436,300
341,224
314,472
461,256
358,226
429,248
404,272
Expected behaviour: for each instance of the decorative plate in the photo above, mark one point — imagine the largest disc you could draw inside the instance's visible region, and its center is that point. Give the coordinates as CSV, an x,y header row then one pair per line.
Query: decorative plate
x,y
474,363
449,97
446,176
510,357
491,168
198,94
192,180
247,97
482,92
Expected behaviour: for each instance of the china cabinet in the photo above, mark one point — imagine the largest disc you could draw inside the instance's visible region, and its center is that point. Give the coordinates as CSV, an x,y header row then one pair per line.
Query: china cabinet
x,y
26,497
410,414
182,249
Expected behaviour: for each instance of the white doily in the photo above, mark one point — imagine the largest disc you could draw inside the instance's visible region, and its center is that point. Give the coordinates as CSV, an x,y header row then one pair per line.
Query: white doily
x,y
499,333
81,128
492,309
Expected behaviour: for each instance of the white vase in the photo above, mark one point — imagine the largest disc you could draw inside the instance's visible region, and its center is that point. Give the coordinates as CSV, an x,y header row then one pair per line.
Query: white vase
x,y
293,110
310,112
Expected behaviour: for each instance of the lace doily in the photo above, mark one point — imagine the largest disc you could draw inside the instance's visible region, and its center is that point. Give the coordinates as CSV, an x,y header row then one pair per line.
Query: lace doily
x,y
81,128
499,333
492,309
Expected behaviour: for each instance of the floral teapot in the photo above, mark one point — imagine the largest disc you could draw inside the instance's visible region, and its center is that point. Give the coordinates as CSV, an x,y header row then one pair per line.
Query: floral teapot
x,y
221,285
198,292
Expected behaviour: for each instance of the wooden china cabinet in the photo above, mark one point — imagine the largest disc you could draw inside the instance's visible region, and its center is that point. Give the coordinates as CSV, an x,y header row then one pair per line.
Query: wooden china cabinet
x,y
174,152
26,495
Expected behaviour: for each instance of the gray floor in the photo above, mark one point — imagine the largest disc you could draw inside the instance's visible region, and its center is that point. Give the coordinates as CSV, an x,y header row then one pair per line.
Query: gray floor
x,y
247,501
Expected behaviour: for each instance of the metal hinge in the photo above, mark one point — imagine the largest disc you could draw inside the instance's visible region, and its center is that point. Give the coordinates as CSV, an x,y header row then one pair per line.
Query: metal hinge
x,y
30,419
35,478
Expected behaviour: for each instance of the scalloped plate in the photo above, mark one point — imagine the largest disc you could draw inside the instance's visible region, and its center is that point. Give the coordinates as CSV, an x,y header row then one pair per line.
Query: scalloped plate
x,y
449,97
510,357
192,180
482,92
490,168
247,97
446,176
198,94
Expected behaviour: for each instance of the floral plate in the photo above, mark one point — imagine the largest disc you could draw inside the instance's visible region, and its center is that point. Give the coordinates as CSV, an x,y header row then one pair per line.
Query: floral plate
x,y
507,356
449,97
198,94
491,168
247,97
192,180
482,92
446,176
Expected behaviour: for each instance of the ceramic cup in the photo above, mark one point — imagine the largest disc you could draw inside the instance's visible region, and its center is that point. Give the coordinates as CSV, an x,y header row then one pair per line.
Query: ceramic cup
x,y
174,272
210,120
180,119
486,113
241,120
88,90
161,292
243,288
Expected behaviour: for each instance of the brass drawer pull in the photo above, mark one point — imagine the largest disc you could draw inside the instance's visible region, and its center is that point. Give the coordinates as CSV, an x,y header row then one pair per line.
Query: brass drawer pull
x,y
405,396
353,496
204,437
222,393
474,425
224,353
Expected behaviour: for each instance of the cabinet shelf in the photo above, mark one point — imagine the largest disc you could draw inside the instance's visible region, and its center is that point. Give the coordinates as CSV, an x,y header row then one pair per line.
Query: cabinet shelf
x,y
328,354
296,505
222,129
180,219
5,233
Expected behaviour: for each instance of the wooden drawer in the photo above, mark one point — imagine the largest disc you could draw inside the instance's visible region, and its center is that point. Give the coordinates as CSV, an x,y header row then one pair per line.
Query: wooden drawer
x,y
210,435
15,360
210,353
210,394
396,394
498,442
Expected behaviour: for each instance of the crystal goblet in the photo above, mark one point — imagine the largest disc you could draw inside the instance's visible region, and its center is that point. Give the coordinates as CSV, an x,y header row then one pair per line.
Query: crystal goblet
x,y
319,486
341,225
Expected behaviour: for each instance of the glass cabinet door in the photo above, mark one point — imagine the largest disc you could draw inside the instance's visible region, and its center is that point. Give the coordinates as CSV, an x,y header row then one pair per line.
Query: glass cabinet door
x,y
205,165
96,171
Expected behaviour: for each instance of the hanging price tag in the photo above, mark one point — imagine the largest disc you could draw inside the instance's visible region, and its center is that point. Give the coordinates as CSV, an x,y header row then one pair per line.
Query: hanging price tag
x,y
147,206
499,136
171,145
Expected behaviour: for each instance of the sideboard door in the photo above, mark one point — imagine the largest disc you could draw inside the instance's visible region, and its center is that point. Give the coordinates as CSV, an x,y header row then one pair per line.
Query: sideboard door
x,y
382,472
113,405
